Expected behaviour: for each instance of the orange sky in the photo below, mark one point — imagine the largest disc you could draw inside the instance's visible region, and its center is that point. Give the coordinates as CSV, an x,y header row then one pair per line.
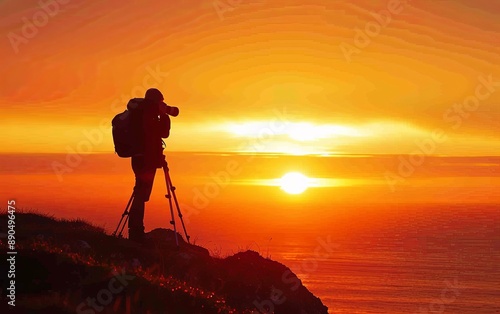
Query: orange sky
x,y
269,69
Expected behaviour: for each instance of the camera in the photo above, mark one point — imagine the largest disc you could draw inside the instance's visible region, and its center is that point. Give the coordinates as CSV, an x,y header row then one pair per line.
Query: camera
x,y
172,111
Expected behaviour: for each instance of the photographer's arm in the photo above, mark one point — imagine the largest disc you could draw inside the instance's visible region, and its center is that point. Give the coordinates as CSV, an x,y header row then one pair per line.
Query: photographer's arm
x,y
163,108
164,125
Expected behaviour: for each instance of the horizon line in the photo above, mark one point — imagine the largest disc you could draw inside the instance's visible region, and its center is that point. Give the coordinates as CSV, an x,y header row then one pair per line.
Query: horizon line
x,y
222,153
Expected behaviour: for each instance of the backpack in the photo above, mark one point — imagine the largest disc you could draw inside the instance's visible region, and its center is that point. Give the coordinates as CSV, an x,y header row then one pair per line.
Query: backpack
x,y
127,130
124,133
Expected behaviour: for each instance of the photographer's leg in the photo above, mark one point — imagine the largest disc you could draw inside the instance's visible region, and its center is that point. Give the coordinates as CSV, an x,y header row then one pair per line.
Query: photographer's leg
x,y
144,178
136,220
136,214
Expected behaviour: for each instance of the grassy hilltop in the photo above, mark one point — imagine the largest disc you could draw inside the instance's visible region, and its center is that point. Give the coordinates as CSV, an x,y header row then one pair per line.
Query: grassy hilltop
x,y
73,267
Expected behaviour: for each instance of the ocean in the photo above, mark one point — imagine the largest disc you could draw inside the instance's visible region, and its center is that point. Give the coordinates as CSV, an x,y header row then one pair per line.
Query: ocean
x,y
429,244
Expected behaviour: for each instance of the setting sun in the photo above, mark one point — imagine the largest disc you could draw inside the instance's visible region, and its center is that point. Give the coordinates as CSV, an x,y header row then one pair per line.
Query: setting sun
x,y
294,183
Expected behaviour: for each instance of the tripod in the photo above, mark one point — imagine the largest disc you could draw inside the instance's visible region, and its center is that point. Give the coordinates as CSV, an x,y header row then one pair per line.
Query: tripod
x,y
170,192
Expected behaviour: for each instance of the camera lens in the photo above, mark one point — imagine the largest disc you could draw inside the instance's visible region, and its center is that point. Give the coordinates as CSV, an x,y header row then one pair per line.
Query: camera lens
x,y
173,111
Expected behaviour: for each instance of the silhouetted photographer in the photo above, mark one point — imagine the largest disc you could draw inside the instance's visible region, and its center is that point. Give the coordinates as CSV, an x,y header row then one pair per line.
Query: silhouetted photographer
x,y
153,123
138,133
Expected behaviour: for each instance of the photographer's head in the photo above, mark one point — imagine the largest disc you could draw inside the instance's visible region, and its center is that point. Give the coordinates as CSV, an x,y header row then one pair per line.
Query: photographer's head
x,y
154,95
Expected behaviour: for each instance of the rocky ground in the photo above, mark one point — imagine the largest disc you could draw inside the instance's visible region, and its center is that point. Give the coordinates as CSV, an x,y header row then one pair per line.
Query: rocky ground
x,y
71,266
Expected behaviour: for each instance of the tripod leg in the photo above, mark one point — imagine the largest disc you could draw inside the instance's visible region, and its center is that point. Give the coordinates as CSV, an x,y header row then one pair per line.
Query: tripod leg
x,y
172,187
125,213
123,227
169,196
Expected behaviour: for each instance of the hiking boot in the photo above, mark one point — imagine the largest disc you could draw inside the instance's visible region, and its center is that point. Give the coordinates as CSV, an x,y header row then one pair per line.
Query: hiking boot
x,y
136,235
